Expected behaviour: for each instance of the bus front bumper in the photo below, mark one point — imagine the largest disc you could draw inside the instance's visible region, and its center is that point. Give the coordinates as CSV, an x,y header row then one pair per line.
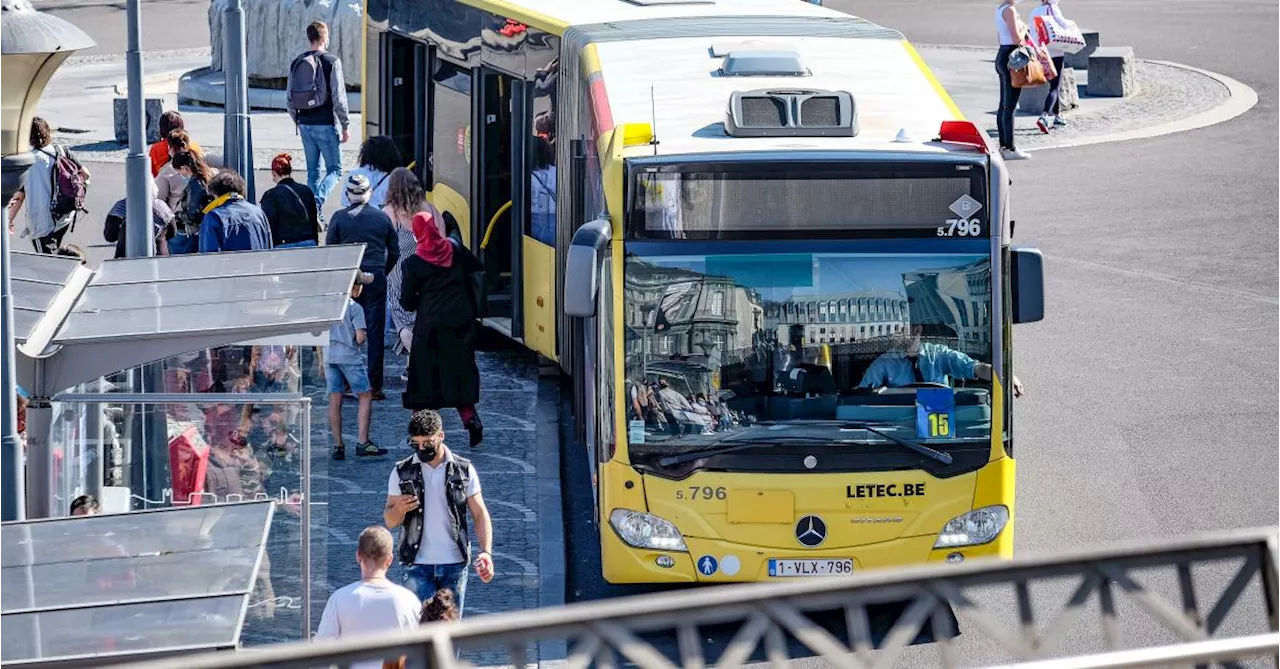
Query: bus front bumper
x,y
716,561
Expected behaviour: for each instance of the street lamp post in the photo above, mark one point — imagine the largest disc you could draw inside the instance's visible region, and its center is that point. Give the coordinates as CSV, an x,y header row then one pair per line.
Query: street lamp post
x,y
32,46
237,133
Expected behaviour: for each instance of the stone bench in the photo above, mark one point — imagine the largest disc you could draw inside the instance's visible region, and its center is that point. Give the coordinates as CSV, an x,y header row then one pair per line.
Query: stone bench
x,y
1080,59
1112,72
120,112
1031,100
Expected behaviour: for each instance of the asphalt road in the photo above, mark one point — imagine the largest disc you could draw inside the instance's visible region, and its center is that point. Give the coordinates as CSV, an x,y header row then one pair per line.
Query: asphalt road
x,y
166,24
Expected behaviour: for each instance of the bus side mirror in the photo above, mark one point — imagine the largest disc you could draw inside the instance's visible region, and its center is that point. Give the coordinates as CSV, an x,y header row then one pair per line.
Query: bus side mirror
x,y
1027,273
582,268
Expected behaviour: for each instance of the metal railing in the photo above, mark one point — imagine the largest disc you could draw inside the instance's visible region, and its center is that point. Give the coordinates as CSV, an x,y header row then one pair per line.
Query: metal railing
x,y
775,621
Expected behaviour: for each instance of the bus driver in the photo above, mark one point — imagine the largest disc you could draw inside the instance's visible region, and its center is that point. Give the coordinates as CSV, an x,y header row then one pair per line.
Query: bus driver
x,y
913,361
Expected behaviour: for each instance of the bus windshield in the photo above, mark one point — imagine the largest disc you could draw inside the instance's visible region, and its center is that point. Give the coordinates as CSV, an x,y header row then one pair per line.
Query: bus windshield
x,y
736,347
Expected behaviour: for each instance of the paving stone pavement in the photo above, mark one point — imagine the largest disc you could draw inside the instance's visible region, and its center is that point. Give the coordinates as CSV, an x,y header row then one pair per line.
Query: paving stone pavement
x,y
348,496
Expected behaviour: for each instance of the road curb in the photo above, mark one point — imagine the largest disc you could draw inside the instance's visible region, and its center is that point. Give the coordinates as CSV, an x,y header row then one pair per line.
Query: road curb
x,y
1240,99
553,577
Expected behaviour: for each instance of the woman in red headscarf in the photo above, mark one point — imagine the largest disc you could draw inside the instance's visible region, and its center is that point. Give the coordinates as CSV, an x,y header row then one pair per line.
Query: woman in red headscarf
x,y
435,284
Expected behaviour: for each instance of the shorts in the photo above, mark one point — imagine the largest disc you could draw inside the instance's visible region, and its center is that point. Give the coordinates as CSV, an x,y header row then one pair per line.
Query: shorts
x,y
354,373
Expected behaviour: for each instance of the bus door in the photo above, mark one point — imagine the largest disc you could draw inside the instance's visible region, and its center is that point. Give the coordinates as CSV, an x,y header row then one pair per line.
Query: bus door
x,y
405,104
496,217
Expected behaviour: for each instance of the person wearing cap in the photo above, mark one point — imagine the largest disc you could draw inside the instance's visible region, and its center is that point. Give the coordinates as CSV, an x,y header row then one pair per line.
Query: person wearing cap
x,y
361,223
344,365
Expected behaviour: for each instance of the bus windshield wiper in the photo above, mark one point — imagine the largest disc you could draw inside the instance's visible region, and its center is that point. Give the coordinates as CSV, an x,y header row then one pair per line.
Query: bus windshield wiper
x,y
944,458
731,445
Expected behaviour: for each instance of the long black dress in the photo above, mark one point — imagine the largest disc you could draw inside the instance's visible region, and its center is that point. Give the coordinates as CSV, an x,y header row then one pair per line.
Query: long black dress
x,y
442,362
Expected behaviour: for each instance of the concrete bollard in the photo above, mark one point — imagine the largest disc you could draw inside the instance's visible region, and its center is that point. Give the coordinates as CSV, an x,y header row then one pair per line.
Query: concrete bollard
x,y
120,109
1112,72
1080,59
1031,100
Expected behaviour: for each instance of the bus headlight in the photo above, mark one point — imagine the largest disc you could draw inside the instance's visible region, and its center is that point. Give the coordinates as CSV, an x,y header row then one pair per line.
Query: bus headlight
x,y
976,527
643,530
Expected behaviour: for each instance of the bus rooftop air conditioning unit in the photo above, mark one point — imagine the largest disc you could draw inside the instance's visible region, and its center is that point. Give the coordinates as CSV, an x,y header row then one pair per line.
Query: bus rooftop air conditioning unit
x,y
791,113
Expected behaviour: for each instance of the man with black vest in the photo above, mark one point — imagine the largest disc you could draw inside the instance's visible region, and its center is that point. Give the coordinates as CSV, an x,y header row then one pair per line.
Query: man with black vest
x,y
428,496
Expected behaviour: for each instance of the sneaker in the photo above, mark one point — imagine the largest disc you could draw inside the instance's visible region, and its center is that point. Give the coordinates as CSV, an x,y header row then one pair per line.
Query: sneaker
x,y
378,395
339,453
1059,121
475,429
1043,124
370,448
1014,154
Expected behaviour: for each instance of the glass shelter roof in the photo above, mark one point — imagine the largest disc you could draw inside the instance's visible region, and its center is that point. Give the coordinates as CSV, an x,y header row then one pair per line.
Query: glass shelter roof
x,y
142,583
85,323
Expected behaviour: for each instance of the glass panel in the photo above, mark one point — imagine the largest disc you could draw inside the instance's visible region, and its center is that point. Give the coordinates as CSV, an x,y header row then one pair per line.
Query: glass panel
x,y
24,321
212,452
34,295
785,375
210,291
451,152
542,150
213,265
91,581
200,318
222,527
44,268
121,629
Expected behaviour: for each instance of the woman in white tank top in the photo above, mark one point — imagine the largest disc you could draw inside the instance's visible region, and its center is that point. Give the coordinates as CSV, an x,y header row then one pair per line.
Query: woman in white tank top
x,y
1009,32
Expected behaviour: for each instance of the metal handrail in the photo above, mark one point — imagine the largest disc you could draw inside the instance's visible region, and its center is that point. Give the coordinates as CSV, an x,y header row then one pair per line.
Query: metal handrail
x,y
769,612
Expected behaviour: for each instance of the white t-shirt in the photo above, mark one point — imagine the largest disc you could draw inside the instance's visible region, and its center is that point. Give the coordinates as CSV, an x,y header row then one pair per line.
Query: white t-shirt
x,y
368,607
437,545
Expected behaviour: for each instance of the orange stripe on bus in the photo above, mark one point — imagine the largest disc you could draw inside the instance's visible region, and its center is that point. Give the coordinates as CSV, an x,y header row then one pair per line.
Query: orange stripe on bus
x,y
600,105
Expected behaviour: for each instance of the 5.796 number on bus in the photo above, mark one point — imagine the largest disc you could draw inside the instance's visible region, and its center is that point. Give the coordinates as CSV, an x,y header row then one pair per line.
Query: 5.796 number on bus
x,y
961,227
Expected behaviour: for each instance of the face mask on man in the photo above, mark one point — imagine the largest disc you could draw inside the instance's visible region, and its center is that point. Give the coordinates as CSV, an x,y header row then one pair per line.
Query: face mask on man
x,y
426,451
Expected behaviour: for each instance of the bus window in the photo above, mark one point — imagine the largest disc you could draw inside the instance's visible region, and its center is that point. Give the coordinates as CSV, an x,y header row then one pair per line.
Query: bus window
x,y
542,151
451,157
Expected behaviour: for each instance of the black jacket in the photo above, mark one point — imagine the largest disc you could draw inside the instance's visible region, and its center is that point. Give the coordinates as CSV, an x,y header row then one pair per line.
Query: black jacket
x,y
291,210
442,361
362,224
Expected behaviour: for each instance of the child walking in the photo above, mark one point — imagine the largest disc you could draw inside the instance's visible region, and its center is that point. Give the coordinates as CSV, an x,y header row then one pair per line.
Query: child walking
x,y
345,364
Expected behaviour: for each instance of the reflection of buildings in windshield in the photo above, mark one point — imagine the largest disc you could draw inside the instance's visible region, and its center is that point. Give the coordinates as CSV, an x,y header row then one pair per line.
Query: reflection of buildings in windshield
x,y
956,297
838,319
791,344
682,320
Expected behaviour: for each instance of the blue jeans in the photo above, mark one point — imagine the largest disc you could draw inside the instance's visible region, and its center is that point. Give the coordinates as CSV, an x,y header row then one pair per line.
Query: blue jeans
x,y
321,142
425,579
182,244
297,245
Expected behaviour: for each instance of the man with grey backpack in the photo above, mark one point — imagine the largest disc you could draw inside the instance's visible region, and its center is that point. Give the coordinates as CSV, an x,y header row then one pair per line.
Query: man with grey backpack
x,y
318,105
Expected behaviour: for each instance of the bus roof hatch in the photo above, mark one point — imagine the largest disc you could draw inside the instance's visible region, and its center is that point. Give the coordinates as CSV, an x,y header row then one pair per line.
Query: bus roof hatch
x,y
791,113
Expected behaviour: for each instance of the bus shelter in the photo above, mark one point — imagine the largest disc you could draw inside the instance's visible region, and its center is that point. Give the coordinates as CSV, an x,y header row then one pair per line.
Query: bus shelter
x,y
90,591
73,325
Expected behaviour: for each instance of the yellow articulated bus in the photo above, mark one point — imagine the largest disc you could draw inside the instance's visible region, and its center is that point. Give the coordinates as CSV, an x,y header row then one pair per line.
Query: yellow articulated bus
x,y
760,238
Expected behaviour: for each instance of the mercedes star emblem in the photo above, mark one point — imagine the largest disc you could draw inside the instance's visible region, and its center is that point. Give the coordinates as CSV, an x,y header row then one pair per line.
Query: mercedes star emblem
x,y
810,462
811,531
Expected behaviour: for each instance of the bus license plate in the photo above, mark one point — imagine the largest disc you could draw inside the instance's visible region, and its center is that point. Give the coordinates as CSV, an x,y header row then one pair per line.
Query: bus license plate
x,y
822,567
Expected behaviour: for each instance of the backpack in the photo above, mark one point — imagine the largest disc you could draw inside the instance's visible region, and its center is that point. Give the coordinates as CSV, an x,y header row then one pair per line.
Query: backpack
x,y
308,85
67,186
